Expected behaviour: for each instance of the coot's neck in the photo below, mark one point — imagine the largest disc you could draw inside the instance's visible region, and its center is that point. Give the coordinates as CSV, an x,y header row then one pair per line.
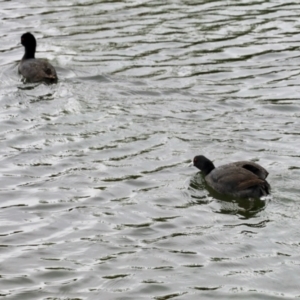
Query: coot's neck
x,y
207,167
29,52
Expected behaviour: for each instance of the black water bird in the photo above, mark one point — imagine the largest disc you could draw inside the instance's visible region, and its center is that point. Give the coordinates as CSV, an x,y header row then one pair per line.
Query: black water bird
x,y
32,69
241,179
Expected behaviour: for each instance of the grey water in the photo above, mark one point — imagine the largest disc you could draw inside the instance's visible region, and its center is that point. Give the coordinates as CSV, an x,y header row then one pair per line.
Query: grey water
x,y
97,200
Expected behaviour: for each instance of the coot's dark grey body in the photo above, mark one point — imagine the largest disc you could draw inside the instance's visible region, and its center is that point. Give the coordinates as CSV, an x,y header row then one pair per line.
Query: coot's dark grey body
x,y
241,179
32,69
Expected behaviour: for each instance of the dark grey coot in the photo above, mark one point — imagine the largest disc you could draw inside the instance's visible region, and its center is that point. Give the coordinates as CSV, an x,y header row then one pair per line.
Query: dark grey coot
x,y
32,69
241,179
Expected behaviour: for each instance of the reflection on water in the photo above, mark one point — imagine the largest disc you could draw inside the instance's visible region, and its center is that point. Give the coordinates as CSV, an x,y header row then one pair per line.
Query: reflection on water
x,y
97,200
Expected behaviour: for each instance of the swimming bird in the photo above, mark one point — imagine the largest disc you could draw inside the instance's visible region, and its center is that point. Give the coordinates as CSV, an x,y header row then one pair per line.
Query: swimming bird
x,y
32,69
241,179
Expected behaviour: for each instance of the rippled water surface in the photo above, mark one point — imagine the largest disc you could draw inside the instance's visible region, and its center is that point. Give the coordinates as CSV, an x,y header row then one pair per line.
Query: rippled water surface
x,y
97,198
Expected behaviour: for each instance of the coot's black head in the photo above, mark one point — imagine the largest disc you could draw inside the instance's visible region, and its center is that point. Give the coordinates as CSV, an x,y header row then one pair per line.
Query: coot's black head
x,y
28,40
203,164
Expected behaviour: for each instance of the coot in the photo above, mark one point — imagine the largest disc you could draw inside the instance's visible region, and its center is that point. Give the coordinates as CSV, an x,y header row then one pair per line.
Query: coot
x,y
241,179
32,69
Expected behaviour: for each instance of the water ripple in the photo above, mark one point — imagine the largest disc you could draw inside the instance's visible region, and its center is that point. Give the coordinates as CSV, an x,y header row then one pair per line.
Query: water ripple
x,y
97,199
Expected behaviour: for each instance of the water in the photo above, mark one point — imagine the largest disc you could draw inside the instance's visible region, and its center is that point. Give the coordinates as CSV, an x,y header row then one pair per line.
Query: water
x,y
97,199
